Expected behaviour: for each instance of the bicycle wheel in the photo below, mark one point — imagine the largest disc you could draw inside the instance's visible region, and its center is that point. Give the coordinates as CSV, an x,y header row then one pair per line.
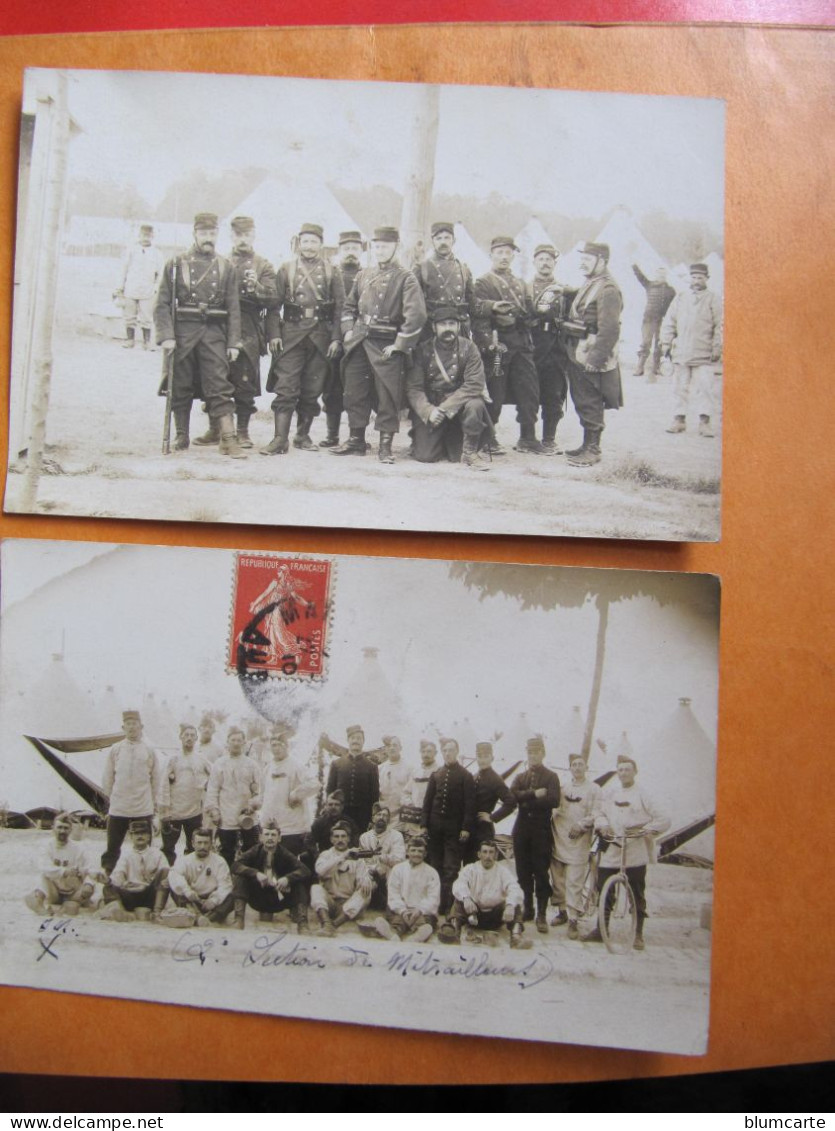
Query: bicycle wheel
x,y
588,900
617,915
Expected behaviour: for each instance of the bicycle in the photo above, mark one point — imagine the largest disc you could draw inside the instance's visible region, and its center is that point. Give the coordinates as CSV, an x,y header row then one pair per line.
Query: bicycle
x,y
617,913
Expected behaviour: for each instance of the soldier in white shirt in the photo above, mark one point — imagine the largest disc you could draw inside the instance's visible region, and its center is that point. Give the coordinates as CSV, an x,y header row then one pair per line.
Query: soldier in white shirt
x,y
210,749
344,886
286,789
67,880
395,775
411,799
141,270
388,847
573,827
182,792
233,797
486,896
137,886
627,808
414,896
200,884
131,778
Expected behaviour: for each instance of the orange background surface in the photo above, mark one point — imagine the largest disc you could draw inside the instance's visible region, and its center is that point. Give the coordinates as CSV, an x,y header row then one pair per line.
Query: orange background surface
x,y
772,984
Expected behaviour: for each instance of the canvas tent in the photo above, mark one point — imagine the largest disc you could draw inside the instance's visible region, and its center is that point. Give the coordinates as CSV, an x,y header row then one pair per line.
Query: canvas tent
x,y
527,240
468,251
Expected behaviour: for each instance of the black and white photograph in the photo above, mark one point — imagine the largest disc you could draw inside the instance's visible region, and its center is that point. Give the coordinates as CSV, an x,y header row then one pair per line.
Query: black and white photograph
x,y
307,302
490,812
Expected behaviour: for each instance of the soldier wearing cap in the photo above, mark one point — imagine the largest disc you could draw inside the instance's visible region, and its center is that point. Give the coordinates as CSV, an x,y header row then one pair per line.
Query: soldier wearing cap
x,y
446,281
141,270
692,334
382,320
351,247
445,387
537,793
256,293
357,778
493,799
319,838
572,826
449,815
626,809
502,333
131,779
233,797
659,296
593,370
136,887
548,351
288,786
182,791
204,331
310,296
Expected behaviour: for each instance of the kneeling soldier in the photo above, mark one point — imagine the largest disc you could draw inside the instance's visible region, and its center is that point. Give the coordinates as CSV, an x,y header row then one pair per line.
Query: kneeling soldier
x,y
200,883
486,896
446,388
67,880
137,883
414,896
271,879
345,885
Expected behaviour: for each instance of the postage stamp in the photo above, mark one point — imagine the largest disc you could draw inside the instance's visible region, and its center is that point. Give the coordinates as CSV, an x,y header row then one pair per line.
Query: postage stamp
x,y
279,617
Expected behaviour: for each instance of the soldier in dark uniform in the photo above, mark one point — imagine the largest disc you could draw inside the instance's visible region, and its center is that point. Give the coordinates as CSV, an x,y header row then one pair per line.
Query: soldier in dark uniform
x,y
357,778
256,294
593,370
310,295
502,330
659,296
548,351
446,281
351,247
445,388
382,320
493,800
319,838
537,792
204,332
449,815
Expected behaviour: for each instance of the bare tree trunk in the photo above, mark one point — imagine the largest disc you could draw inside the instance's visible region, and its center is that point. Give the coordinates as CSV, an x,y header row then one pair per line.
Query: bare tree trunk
x,y
417,199
599,657
53,116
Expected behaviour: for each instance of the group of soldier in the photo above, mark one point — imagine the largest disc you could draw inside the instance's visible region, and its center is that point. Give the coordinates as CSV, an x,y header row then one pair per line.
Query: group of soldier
x,y
400,850
376,340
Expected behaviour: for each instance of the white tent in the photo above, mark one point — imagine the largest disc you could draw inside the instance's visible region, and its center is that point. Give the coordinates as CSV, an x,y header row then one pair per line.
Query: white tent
x,y
370,700
527,240
469,252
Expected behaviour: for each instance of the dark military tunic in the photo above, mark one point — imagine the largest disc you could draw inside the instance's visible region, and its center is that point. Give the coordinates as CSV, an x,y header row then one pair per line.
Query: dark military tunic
x,y
457,390
385,307
257,325
493,796
598,304
549,354
359,781
332,393
311,296
446,281
532,837
448,810
204,283
517,381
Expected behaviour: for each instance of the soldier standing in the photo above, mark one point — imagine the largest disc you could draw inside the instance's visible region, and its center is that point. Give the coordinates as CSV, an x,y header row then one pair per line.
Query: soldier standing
x,y
310,295
548,351
446,281
659,296
256,294
537,793
382,320
502,331
141,269
198,316
593,370
351,248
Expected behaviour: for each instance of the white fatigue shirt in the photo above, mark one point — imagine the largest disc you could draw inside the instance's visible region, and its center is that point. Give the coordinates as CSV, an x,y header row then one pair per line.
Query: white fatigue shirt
x,y
209,879
339,874
625,807
138,869
394,777
414,888
287,786
578,800
183,785
393,849
416,787
487,887
234,784
65,864
131,777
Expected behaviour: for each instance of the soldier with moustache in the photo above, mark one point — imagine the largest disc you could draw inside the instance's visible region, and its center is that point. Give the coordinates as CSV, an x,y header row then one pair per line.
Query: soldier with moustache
x,y
446,281
449,815
310,295
198,316
537,793
382,321
445,387
493,799
548,351
502,328
593,370
351,247
256,293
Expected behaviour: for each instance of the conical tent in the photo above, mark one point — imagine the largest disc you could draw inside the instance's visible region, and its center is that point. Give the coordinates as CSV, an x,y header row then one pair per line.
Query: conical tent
x,y
528,238
370,700
468,251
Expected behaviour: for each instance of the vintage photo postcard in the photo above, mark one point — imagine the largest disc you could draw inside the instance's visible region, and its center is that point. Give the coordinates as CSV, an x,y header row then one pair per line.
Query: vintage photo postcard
x,y
332,303
446,796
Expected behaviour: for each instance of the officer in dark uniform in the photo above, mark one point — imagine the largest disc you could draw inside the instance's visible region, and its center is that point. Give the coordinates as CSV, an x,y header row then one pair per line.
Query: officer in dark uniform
x,y
204,331
548,351
537,792
256,294
501,331
351,247
357,778
493,800
446,281
382,321
310,295
445,388
449,815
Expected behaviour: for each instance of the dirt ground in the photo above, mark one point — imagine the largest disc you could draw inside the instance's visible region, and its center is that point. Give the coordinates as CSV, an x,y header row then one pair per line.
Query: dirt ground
x,y
104,459
559,991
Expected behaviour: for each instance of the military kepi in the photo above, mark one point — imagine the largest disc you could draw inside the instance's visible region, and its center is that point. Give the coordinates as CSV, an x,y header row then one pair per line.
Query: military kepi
x,y
242,224
502,241
545,249
600,249
349,237
699,269
387,235
130,715
205,220
443,226
445,313
313,230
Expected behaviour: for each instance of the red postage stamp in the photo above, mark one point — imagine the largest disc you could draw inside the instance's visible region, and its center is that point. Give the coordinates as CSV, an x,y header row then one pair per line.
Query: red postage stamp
x,y
279,621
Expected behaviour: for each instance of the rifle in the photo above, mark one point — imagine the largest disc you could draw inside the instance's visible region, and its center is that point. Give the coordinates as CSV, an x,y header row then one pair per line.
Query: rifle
x,y
168,367
498,348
